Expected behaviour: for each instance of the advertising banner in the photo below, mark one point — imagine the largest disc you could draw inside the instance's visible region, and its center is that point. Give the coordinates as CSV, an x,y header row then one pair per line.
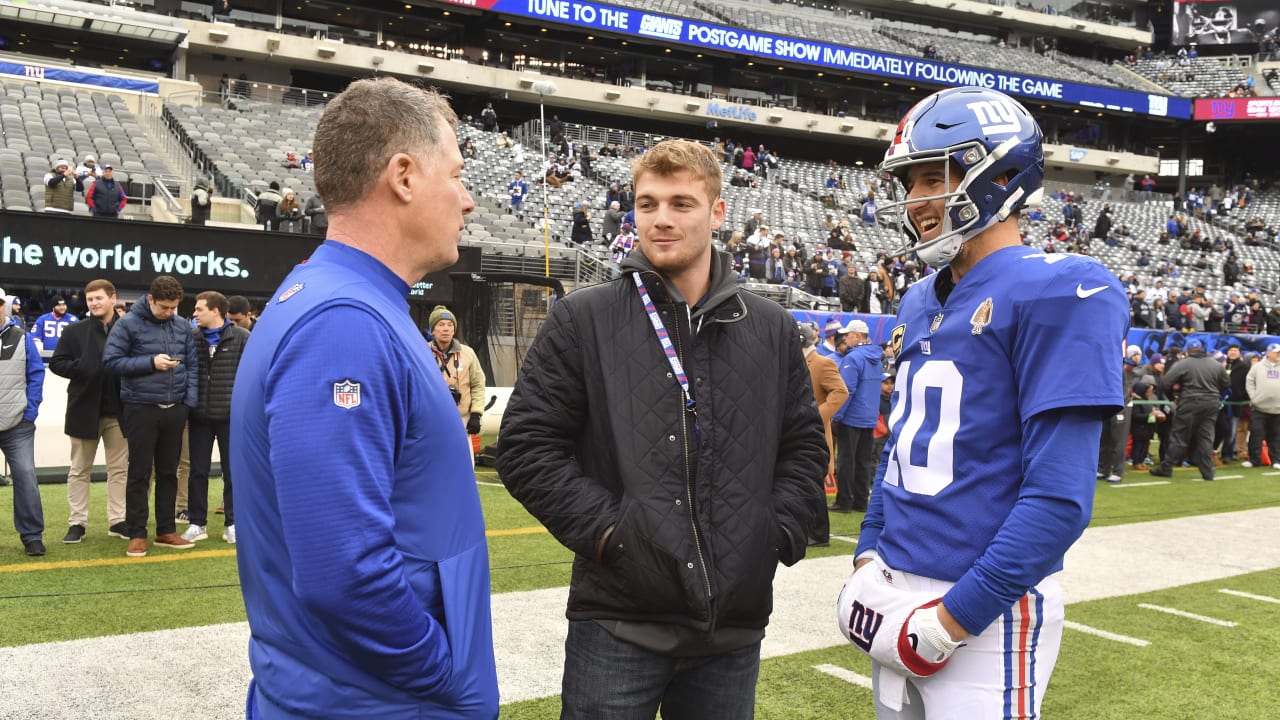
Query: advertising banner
x,y
711,36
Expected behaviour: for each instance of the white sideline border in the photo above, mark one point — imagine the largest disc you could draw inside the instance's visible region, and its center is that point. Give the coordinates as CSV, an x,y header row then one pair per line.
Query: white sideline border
x,y
844,674
1250,596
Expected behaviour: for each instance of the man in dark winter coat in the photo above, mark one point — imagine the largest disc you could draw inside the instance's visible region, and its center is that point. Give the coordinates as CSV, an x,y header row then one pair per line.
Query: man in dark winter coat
x,y
93,412
640,434
219,344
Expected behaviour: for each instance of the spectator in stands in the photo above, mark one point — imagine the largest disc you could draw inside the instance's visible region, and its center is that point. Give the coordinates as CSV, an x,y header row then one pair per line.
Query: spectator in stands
x,y
219,344
852,291
830,394
1148,186
468,150
624,243
1230,270
152,350
49,327
306,162
581,233
1102,226
1272,320
627,197
93,412
555,128
60,187
868,209
518,190
1202,383
201,201
1262,385
612,225
87,171
240,312
291,160
22,383
489,119
289,213
268,203
753,223
318,218
1140,310
505,141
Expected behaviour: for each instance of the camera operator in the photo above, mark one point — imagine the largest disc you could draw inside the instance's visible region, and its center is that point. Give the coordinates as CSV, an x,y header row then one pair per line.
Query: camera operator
x,y
459,365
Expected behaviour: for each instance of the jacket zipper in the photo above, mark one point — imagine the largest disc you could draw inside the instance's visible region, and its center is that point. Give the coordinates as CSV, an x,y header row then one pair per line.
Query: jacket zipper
x,y
688,482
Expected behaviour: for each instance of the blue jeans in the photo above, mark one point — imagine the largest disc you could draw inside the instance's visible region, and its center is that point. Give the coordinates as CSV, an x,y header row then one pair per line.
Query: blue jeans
x,y
609,679
19,446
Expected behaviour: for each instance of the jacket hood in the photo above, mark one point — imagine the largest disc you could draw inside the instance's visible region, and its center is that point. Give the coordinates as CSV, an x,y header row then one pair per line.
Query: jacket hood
x,y
724,284
143,308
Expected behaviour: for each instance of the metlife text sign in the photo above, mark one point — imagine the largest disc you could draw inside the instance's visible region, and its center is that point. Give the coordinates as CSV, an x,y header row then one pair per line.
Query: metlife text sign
x,y
698,34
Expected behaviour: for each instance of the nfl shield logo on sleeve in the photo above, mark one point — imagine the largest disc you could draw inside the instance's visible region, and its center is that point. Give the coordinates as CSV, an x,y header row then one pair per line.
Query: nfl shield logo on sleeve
x,y
346,394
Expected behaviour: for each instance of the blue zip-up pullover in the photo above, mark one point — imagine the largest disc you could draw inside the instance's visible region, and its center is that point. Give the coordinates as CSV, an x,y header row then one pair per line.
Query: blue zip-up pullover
x,y
862,370
361,548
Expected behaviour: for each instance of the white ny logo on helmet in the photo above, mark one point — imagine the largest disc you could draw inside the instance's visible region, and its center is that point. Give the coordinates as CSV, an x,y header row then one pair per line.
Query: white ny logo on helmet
x,y
996,116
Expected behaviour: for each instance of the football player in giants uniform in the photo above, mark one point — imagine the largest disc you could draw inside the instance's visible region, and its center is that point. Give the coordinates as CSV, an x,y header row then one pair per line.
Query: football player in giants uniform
x,y
1007,367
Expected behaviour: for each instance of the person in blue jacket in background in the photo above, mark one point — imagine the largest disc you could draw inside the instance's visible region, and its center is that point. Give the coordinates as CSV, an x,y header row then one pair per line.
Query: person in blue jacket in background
x,y
361,543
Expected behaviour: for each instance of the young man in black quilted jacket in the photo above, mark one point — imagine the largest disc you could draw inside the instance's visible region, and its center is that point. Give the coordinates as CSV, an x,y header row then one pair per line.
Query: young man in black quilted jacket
x,y
219,344
663,428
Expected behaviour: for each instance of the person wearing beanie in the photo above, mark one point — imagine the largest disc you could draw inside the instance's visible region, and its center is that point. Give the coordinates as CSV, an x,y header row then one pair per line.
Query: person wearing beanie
x,y
60,188
830,392
459,366
1115,431
1144,422
48,327
202,202
827,348
1203,381
268,202
87,171
1262,385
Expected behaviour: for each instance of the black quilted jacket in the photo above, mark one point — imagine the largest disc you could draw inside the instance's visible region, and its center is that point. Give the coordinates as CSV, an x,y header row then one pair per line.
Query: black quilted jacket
x,y
218,373
596,437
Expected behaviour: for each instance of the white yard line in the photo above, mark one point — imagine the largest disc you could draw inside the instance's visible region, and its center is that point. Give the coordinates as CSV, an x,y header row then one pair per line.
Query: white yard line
x,y
1250,596
848,676
1122,486
1137,642
1185,614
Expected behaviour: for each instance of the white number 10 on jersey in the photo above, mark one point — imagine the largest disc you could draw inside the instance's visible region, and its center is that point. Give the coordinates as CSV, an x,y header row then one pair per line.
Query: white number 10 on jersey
x,y
933,395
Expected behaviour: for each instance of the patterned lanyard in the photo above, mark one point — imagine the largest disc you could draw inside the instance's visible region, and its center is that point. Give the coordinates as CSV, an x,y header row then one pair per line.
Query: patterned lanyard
x,y
667,347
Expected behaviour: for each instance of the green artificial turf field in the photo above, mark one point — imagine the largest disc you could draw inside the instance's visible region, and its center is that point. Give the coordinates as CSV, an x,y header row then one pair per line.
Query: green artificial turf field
x,y
1190,669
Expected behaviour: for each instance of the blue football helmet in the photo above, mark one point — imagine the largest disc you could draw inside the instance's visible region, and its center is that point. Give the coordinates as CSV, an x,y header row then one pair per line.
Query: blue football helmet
x,y
987,136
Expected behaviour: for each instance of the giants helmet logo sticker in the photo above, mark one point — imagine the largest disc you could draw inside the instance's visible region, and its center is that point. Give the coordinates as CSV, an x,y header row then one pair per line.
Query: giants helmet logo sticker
x,y
996,116
346,394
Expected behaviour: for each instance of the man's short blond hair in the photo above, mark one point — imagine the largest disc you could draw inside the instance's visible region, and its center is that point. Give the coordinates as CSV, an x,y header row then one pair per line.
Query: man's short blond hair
x,y
365,125
671,156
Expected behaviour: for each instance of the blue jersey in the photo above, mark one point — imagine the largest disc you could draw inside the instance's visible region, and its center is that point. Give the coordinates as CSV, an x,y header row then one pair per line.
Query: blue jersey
x,y
518,189
1021,334
48,328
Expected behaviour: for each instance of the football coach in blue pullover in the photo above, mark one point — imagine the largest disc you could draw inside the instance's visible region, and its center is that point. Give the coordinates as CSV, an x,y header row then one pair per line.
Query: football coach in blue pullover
x,y
361,543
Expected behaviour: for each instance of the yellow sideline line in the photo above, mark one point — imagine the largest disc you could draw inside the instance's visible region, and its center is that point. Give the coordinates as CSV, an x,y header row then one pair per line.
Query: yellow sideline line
x,y
108,562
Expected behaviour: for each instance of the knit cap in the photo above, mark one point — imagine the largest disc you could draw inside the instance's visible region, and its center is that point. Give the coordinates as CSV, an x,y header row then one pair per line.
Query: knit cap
x,y
438,313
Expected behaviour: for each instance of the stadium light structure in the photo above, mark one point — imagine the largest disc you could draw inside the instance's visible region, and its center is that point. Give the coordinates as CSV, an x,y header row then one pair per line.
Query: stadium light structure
x,y
545,88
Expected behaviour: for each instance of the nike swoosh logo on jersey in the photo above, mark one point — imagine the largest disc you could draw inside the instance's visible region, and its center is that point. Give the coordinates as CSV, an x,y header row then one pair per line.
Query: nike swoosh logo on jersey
x,y
1082,293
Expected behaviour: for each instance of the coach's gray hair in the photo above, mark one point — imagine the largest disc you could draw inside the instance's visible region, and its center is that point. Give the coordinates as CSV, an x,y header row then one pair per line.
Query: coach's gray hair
x,y
368,123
